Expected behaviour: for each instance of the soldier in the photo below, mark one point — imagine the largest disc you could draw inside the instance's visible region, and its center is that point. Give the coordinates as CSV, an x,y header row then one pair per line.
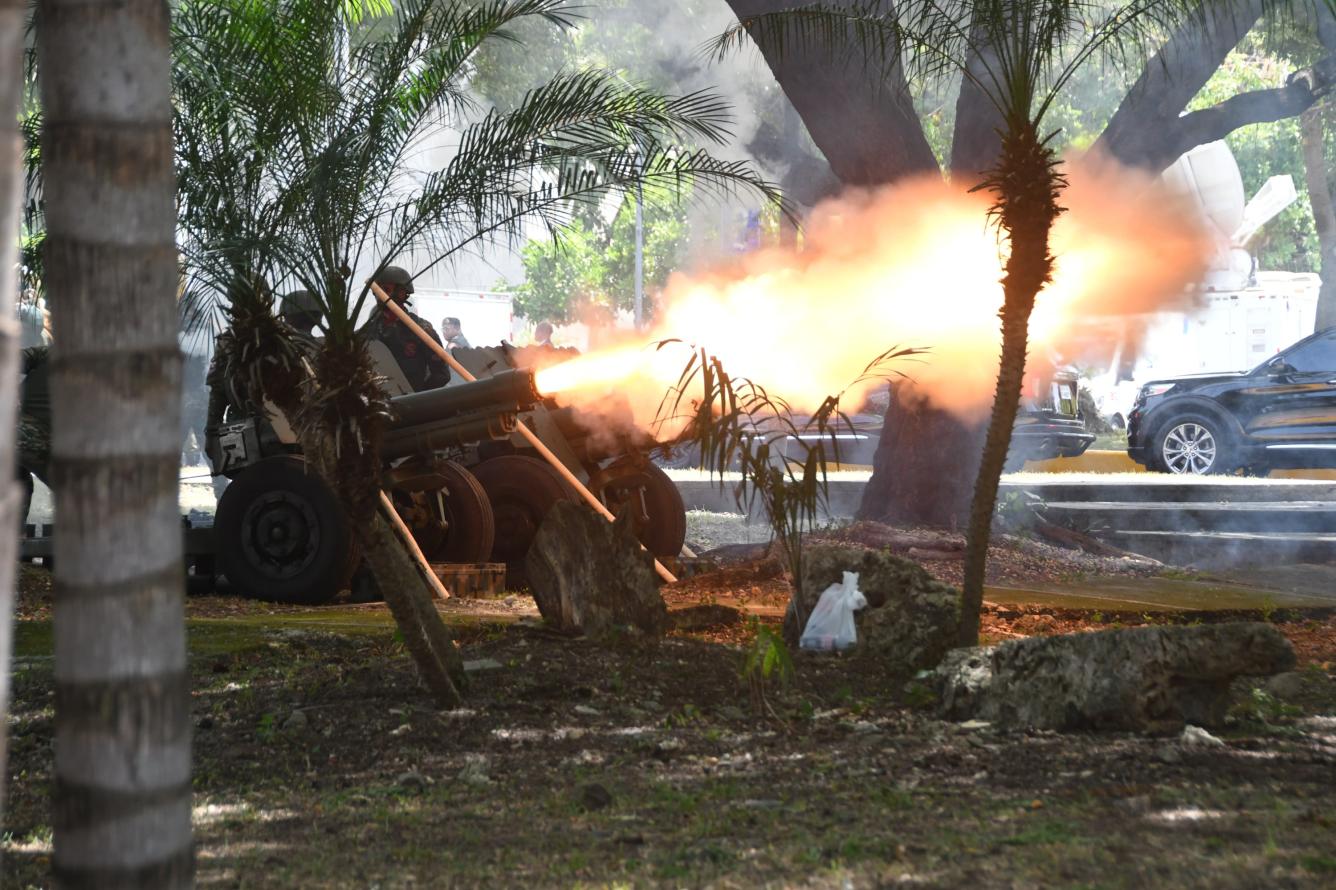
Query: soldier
x,y
302,312
422,367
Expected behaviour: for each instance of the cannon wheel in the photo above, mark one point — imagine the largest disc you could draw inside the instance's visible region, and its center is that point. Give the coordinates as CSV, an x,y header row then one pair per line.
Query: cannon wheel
x,y
463,513
282,535
522,489
660,520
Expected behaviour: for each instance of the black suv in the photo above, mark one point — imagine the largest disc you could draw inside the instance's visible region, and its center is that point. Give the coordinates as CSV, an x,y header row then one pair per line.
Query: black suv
x,y
1049,423
1280,414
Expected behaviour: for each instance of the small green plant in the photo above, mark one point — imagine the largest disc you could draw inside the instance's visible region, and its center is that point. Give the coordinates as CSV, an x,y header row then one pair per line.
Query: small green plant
x,y
683,717
267,728
919,695
767,661
1268,609
1013,511
1262,707
782,462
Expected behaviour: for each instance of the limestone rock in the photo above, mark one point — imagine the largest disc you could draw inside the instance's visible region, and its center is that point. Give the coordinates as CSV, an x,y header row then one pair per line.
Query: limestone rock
x,y
911,620
1145,678
591,576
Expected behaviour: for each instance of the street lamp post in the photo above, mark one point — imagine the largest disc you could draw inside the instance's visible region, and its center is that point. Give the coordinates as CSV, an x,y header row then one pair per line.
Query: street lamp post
x,y
640,256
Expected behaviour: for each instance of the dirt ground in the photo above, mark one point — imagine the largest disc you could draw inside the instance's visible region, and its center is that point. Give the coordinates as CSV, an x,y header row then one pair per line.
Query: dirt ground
x,y
321,763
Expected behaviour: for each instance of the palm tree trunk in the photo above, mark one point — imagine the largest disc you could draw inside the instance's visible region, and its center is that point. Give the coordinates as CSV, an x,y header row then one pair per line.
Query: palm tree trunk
x,y
11,182
427,639
1026,184
1010,376
121,809
1313,135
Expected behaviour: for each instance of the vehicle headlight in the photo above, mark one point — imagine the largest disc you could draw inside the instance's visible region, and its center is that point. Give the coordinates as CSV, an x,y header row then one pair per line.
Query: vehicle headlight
x,y
1155,389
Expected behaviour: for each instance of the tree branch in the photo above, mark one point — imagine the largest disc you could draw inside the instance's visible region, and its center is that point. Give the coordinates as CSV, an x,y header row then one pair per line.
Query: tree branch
x,y
866,128
1218,121
1171,79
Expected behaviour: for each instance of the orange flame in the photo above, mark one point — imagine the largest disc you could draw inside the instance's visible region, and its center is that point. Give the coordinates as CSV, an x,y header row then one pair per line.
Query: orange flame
x,y
912,265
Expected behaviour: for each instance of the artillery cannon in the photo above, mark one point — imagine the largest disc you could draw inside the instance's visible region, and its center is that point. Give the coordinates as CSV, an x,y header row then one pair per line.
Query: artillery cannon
x,y
604,449
280,532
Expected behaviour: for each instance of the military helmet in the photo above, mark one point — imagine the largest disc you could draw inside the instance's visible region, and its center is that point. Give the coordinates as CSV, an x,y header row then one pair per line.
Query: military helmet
x,y
395,275
299,302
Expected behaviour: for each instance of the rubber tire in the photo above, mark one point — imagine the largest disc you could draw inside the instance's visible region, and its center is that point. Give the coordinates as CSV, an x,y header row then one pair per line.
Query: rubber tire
x,y
1226,460
336,553
468,510
522,490
667,529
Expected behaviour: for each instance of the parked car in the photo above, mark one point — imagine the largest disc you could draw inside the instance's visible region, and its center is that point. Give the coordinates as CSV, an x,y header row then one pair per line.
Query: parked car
x,y
1280,414
1049,423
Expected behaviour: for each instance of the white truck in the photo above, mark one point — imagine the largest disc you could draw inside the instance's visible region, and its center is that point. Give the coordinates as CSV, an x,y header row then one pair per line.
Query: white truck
x,y
1243,315
486,317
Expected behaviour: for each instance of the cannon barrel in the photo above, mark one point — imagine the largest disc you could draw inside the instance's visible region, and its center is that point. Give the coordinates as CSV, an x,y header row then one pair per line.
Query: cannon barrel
x,y
458,415
508,392
449,433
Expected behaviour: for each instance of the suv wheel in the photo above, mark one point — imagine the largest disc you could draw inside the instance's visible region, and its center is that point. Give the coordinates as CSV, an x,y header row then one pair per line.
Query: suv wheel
x,y
1193,445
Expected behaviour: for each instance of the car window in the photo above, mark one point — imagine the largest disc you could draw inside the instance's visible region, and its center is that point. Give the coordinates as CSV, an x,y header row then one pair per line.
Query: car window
x,y
1315,355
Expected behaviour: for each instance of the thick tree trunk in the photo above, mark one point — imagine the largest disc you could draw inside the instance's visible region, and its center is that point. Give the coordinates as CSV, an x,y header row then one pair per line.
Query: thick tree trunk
x,y
976,139
11,184
923,471
866,127
122,764
1313,133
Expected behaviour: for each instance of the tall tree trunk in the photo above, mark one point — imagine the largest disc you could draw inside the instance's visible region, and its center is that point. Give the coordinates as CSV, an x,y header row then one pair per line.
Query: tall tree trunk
x,y
924,467
122,765
1313,133
11,184
865,126
1027,186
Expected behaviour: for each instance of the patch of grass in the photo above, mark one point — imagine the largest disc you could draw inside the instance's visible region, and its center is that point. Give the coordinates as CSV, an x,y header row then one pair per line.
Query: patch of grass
x,y
1319,864
1048,831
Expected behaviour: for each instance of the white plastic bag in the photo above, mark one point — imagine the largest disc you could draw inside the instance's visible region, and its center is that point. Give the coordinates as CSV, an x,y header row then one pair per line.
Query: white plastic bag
x,y
831,624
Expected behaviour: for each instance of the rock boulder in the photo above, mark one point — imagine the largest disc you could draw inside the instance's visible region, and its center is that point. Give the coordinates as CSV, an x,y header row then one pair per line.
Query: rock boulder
x,y
911,620
1155,679
591,576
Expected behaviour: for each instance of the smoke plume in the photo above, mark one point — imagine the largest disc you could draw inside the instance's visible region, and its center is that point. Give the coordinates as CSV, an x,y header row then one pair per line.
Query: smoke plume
x,y
914,265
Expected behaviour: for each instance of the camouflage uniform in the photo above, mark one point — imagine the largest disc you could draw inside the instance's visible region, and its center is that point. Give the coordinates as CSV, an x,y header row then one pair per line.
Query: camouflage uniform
x,y
423,368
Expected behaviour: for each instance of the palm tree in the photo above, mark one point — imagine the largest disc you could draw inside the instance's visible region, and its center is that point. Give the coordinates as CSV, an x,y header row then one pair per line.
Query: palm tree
x,y
297,121
1018,54
122,756
11,182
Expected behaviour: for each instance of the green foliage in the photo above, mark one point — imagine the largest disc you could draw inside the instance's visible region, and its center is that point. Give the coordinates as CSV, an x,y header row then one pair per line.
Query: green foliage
x,y
1288,242
588,267
297,127
267,729
738,424
1261,707
766,662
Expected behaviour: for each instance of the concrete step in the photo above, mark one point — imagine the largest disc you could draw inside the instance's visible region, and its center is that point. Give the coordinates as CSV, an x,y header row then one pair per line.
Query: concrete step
x,y
1228,549
1192,516
1154,488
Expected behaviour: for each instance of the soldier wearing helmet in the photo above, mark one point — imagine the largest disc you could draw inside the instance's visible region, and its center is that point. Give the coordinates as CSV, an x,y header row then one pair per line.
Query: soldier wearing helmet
x,y
422,367
301,311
